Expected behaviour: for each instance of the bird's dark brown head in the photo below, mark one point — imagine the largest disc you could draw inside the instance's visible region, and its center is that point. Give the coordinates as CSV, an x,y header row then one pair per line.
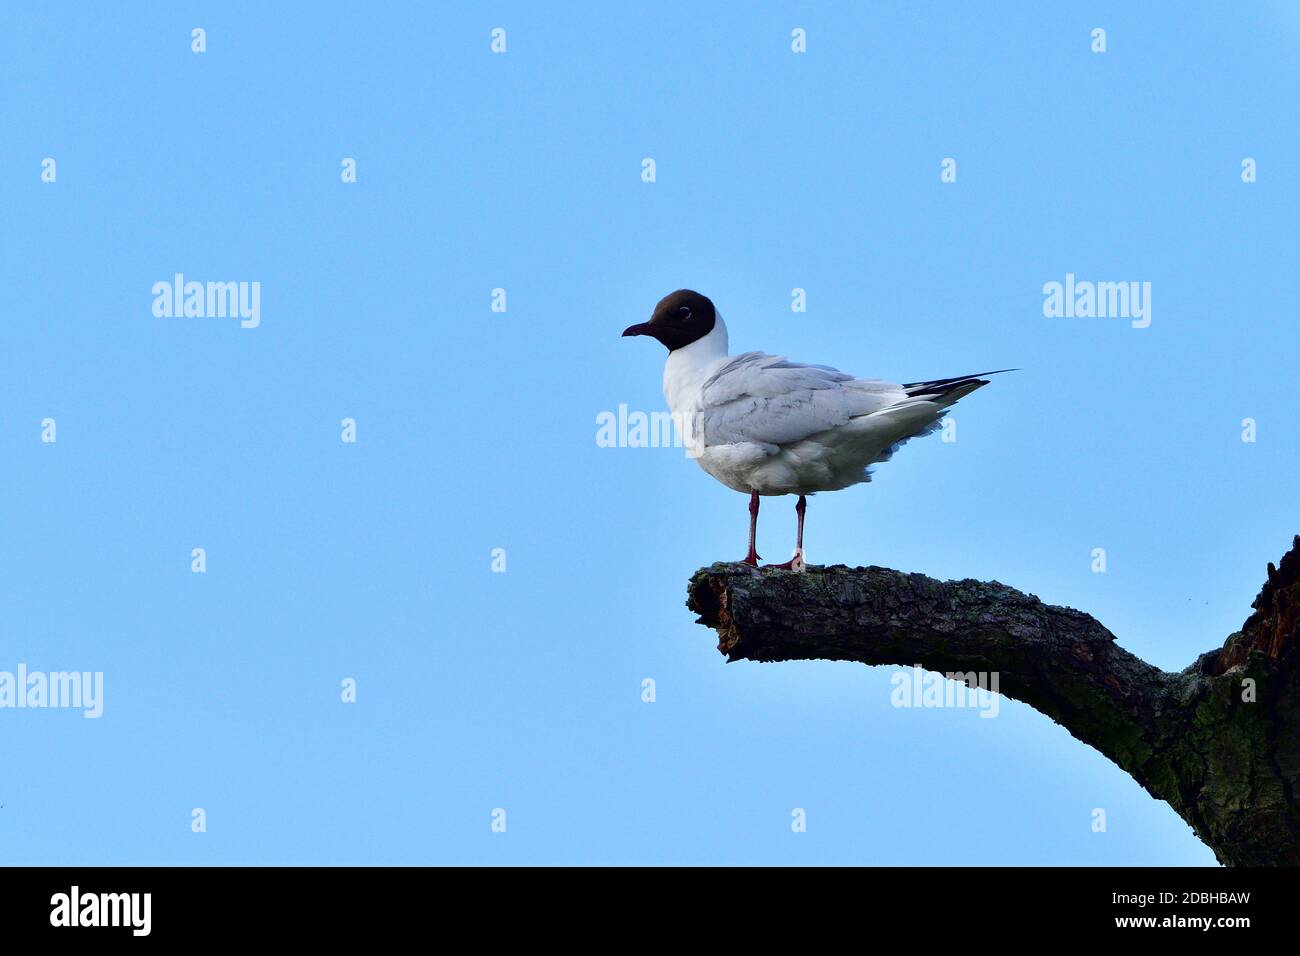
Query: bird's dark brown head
x,y
680,318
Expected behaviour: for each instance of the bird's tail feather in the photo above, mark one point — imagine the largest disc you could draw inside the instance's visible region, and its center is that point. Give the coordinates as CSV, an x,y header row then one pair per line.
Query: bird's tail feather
x,y
950,389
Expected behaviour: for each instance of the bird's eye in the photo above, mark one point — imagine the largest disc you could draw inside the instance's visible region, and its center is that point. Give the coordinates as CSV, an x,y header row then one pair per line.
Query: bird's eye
x,y
683,313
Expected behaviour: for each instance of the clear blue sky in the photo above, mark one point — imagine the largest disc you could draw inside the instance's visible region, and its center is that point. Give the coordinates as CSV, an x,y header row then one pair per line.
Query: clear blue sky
x,y
476,430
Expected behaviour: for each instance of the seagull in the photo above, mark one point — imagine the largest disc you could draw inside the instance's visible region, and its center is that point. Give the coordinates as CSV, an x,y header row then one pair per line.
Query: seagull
x,y
763,425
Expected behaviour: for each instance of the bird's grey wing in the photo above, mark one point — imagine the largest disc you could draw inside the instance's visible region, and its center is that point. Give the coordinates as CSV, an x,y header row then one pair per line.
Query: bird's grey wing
x,y
767,399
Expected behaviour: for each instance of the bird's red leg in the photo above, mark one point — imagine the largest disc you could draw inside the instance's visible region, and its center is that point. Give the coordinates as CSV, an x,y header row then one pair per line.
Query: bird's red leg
x,y
752,558
796,563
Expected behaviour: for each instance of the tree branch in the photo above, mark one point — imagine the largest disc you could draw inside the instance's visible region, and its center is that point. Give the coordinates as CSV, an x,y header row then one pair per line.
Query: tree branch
x,y
1223,752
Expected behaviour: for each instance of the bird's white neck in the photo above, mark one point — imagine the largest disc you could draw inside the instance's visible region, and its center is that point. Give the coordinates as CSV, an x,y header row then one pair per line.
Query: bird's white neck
x,y
688,367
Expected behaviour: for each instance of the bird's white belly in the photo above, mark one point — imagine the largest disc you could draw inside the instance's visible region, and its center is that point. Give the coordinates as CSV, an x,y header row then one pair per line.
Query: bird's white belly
x,y
735,465
771,470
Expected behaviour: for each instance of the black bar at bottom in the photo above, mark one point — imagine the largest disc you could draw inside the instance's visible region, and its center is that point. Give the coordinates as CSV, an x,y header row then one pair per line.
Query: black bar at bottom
x,y
374,904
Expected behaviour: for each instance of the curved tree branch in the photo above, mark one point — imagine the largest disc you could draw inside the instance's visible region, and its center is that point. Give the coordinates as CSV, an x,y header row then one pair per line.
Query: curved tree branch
x,y
1220,741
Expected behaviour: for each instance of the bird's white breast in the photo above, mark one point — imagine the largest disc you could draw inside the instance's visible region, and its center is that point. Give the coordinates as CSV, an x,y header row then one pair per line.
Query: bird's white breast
x,y
685,372
687,369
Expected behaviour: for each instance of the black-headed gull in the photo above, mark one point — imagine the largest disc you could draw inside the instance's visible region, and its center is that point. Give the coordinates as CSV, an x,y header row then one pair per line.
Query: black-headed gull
x,y
763,425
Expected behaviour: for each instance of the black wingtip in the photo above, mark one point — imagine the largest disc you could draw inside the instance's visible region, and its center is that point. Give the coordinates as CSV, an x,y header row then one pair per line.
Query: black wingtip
x,y
943,383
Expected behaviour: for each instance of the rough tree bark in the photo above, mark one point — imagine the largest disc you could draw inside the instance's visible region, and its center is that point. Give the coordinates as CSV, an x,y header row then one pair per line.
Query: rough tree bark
x,y
1228,764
